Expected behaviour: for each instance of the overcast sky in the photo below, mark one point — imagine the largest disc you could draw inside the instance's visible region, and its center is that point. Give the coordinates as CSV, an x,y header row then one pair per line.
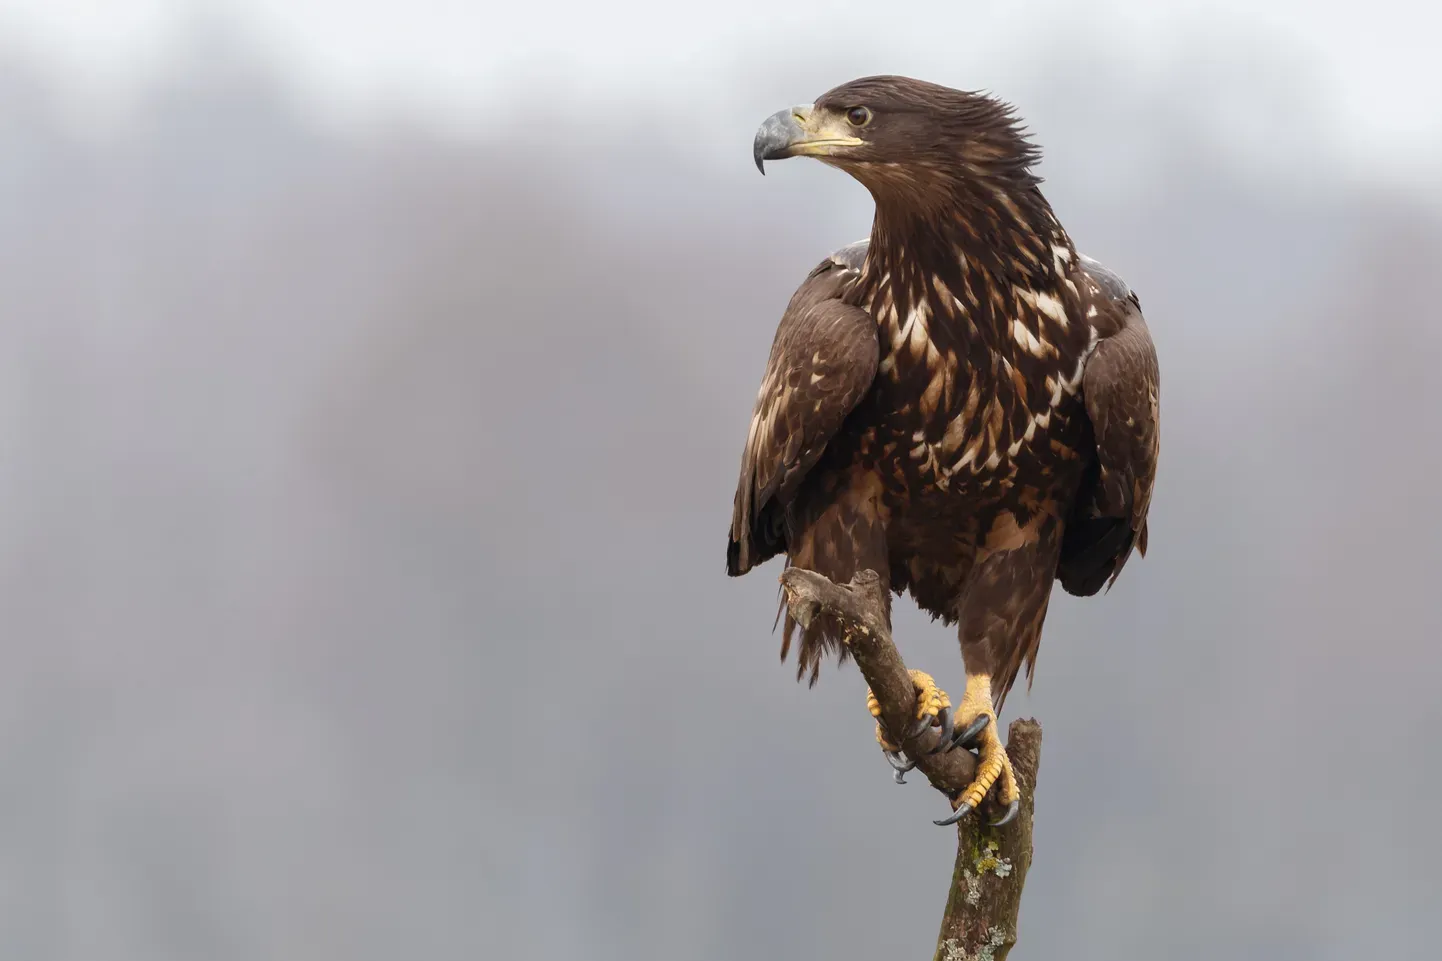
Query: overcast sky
x,y
1369,70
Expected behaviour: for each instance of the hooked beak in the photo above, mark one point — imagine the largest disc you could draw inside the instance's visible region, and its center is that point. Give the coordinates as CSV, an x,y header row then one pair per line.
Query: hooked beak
x,y
797,132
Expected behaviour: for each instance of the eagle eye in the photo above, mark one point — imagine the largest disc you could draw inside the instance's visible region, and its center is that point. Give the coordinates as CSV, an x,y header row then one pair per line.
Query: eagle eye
x,y
858,116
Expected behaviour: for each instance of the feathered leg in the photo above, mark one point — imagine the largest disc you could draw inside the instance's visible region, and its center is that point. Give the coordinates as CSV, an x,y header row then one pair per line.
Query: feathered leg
x,y
1000,615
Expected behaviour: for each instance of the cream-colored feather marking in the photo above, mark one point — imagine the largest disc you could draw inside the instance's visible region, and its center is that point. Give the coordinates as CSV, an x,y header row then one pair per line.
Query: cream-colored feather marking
x,y
1028,340
1045,304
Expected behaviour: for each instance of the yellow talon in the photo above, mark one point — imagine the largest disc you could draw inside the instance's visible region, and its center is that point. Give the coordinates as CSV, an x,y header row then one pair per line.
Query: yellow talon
x,y
930,702
987,773
930,699
872,704
994,767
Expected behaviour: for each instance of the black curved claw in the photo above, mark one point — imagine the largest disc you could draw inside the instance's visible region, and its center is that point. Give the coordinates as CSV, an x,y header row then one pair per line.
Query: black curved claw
x,y
966,737
900,764
956,815
943,743
1006,818
922,723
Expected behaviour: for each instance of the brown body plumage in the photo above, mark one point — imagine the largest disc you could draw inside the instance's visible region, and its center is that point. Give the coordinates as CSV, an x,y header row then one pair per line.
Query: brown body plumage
x,y
963,403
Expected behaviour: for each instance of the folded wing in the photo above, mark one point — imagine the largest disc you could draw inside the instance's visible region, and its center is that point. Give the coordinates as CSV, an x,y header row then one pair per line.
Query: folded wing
x,y
1121,387
822,362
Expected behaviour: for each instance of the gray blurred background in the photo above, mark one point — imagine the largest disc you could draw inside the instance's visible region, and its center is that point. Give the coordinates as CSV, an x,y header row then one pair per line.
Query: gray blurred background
x,y
373,377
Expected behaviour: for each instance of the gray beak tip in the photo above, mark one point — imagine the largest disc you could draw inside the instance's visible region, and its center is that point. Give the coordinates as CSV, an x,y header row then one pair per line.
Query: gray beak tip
x,y
775,137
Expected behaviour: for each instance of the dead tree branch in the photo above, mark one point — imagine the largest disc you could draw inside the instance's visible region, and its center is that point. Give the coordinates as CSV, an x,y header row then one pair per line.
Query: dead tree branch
x,y
991,863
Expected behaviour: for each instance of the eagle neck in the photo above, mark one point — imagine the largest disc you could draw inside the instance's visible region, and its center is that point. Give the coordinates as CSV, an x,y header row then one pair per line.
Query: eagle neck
x,y
958,275
981,233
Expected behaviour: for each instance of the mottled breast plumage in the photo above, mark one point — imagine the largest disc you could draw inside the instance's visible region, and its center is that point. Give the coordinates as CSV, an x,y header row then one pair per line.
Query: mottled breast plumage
x,y
975,370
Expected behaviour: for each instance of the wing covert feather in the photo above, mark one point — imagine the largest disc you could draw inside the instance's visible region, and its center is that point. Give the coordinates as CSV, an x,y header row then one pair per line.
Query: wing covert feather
x,y
823,361
1121,389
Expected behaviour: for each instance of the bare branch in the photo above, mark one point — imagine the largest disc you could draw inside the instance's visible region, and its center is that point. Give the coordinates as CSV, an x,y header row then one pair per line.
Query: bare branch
x,y
991,863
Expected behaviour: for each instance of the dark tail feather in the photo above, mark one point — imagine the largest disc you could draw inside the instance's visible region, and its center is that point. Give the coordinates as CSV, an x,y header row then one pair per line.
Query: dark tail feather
x,y
1093,552
821,639
818,640
765,540
733,558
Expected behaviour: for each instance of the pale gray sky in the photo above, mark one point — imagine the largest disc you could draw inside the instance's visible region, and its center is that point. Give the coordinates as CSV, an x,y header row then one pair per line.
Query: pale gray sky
x,y
1369,70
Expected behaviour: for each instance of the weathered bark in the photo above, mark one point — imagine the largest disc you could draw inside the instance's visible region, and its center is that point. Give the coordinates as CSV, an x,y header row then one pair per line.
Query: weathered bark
x,y
991,863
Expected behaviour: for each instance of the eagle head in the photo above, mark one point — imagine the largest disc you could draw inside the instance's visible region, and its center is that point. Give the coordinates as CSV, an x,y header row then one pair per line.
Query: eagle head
x,y
896,134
